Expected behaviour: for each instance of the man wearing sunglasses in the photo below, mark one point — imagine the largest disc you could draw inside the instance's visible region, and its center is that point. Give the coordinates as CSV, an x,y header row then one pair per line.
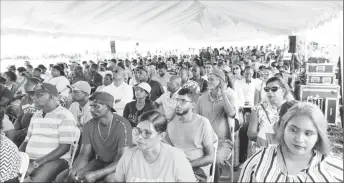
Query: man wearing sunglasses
x,y
53,125
108,135
192,133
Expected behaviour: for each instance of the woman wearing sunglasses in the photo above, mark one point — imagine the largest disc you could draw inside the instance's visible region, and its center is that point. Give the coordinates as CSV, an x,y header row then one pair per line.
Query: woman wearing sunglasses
x,y
266,113
302,153
237,72
152,160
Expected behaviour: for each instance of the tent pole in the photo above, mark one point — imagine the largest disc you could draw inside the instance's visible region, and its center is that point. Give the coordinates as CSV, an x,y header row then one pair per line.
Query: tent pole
x,y
340,47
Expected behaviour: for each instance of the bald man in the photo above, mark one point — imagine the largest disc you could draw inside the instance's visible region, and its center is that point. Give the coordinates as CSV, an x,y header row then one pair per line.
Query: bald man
x,y
167,102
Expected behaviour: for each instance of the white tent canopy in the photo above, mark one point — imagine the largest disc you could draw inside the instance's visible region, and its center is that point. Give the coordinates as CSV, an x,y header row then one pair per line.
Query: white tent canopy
x,y
163,20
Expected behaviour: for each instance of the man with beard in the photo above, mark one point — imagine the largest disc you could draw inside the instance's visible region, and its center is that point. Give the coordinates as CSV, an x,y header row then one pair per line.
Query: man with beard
x,y
167,101
162,77
144,75
193,134
108,135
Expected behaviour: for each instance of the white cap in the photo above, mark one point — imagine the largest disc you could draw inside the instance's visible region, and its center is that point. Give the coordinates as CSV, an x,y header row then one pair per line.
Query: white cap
x,y
145,86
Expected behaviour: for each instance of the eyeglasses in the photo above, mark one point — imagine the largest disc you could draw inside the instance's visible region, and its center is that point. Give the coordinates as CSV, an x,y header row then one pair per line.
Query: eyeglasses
x,y
146,134
235,68
182,101
194,70
273,89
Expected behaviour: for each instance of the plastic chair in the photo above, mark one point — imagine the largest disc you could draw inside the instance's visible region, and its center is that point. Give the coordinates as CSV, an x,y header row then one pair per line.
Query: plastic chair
x,y
74,147
212,173
24,165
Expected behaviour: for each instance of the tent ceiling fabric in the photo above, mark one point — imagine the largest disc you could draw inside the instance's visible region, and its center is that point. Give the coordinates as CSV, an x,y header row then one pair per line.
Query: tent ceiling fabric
x,y
162,20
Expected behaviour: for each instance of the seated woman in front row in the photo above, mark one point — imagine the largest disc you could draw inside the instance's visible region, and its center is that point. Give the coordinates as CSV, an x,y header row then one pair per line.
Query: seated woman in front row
x,y
152,160
303,153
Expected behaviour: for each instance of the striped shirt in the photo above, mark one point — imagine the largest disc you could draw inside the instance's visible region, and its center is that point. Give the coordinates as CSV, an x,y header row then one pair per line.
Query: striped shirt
x,y
9,159
263,166
81,116
45,134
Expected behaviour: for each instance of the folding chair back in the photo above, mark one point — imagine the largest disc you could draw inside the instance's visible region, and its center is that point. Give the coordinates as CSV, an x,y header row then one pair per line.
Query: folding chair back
x,y
212,173
74,147
24,165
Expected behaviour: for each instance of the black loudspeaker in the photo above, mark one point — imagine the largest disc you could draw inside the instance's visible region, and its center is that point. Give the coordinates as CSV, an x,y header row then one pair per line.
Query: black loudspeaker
x,y
113,46
292,44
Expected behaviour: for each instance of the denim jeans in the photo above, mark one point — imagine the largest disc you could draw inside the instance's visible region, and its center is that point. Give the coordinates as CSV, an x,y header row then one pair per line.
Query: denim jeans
x,y
48,171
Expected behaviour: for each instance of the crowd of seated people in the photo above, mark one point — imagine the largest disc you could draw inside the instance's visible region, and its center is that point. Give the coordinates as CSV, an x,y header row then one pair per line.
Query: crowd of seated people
x,y
163,119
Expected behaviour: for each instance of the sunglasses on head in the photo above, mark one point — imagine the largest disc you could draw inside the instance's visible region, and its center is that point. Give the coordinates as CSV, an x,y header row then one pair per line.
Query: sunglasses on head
x,y
273,89
146,134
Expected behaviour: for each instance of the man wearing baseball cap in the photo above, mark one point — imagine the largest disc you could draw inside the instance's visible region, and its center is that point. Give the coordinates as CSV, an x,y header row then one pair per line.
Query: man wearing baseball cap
x,y
220,106
80,107
108,135
55,126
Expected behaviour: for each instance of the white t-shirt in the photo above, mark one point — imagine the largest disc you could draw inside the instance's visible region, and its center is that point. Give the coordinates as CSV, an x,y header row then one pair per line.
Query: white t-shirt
x,y
249,89
61,83
123,92
7,124
171,166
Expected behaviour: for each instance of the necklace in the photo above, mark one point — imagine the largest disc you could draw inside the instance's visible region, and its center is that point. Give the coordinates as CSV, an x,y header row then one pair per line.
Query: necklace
x,y
107,134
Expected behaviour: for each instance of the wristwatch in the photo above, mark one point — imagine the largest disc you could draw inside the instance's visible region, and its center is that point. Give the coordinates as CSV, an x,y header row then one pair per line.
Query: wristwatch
x,y
35,165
